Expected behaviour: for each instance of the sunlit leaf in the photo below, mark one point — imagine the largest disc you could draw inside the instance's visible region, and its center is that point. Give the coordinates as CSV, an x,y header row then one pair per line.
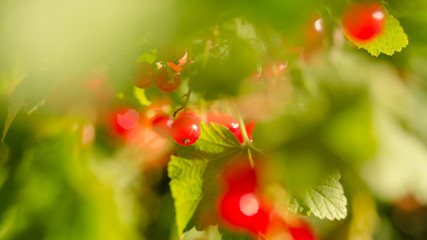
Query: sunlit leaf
x,y
325,200
393,39
140,96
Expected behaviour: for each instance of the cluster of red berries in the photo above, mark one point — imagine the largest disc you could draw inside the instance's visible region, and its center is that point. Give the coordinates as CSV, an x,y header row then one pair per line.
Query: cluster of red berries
x,y
185,130
242,208
129,122
166,78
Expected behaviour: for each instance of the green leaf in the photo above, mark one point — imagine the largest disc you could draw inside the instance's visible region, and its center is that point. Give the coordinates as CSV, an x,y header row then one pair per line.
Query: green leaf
x,y
188,169
4,153
186,186
149,56
31,93
211,233
393,39
325,200
245,30
141,96
16,102
214,139
234,57
226,235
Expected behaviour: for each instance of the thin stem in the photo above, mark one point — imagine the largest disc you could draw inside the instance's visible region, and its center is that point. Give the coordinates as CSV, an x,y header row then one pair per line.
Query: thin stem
x,y
251,160
184,106
246,141
176,111
188,94
242,125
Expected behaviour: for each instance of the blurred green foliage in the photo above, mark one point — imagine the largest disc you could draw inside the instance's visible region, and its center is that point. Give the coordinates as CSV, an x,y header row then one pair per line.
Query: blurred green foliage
x,y
338,108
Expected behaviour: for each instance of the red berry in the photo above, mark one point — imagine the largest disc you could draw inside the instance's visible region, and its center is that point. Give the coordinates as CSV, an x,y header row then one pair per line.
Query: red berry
x,y
240,207
166,83
161,124
240,176
144,75
314,34
185,130
249,129
293,228
227,121
300,230
363,20
126,120
190,114
242,210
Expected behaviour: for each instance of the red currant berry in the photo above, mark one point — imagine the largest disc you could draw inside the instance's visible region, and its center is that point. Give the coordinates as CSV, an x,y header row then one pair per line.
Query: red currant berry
x,y
185,130
227,121
161,124
300,230
165,83
293,228
363,20
190,114
249,129
144,75
240,176
243,211
314,34
126,120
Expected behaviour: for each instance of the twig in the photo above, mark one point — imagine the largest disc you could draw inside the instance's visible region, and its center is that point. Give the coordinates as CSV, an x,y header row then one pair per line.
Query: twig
x,y
184,106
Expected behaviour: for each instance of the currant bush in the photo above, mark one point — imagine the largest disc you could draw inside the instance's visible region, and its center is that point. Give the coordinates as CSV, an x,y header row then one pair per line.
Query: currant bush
x,y
327,130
